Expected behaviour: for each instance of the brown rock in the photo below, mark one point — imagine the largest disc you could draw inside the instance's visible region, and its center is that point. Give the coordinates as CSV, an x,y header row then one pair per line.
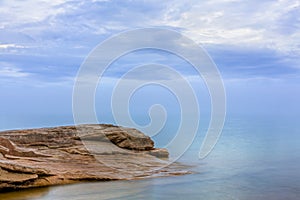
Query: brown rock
x,y
159,153
69,154
127,138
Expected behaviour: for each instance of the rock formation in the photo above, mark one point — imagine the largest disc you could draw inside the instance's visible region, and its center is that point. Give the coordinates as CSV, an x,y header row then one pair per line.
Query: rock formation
x,y
69,154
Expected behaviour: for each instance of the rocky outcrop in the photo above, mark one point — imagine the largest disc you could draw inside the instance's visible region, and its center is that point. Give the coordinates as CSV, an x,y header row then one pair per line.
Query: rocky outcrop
x,y
69,154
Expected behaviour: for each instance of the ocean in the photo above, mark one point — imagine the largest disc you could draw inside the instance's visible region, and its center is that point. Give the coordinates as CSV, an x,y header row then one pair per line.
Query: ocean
x,y
257,157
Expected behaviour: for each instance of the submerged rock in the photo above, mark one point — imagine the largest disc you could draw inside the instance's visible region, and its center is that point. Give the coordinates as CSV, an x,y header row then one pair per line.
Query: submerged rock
x,y
69,154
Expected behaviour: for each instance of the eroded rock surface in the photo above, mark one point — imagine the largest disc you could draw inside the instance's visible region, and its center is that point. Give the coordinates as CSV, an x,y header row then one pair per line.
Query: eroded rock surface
x,y
69,154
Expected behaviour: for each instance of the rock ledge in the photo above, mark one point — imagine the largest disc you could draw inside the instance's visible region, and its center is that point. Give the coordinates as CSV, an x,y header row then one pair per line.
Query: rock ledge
x,y
69,154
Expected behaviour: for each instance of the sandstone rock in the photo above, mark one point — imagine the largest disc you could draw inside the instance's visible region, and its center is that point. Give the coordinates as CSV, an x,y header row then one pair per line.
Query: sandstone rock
x,y
127,138
159,153
69,154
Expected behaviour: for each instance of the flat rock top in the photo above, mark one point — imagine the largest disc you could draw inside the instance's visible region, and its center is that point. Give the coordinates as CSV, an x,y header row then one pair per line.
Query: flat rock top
x,y
69,154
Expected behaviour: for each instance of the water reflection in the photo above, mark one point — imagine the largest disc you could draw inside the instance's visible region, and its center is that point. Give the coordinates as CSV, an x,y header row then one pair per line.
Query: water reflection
x,y
31,194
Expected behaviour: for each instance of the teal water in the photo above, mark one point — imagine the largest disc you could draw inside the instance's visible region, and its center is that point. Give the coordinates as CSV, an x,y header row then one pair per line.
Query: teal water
x,y
255,158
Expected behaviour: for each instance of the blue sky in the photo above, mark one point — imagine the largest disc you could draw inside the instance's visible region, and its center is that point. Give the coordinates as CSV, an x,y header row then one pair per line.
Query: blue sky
x,y
255,44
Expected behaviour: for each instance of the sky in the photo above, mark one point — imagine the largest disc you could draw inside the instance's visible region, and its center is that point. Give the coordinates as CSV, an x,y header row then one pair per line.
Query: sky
x,y
255,45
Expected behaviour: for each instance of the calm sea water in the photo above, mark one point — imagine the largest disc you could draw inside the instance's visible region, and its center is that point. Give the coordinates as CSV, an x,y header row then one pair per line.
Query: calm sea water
x,y
255,158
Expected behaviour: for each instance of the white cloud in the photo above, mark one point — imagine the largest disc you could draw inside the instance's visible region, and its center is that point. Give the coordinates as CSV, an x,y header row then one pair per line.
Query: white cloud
x,y
258,24
19,12
53,29
227,22
6,46
6,70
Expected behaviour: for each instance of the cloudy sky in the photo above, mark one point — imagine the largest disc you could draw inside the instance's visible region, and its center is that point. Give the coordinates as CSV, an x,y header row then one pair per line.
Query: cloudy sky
x,y
255,44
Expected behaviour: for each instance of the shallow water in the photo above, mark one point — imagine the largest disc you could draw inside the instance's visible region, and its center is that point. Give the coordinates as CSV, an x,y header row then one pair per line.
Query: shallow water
x,y
256,158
